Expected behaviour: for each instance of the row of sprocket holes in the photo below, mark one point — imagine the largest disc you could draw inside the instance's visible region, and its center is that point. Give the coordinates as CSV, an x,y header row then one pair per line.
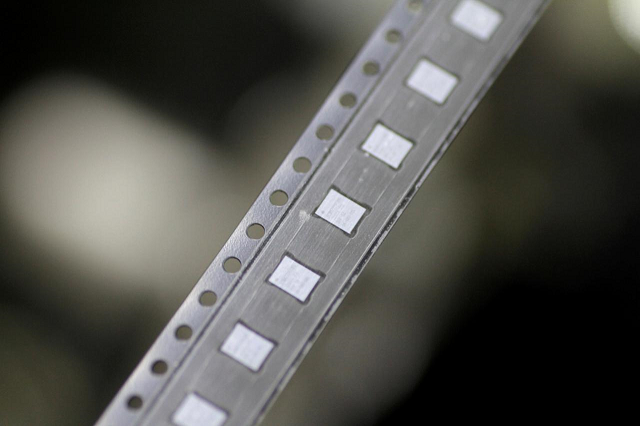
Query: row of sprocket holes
x,y
278,198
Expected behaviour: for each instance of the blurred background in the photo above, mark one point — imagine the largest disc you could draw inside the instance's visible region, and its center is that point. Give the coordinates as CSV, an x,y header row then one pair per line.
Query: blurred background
x,y
135,135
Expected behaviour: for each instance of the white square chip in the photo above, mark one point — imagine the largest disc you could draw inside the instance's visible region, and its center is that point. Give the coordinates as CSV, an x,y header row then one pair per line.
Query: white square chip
x,y
294,278
197,411
247,347
432,81
387,145
340,211
476,18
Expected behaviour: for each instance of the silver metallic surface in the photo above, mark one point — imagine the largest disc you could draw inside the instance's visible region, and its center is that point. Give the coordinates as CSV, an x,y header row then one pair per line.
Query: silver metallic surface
x,y
197,365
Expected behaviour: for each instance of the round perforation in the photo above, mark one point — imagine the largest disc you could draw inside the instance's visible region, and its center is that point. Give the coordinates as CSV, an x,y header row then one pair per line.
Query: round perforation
x,y
183,332
134,402
208,298
371,68
232,265
255,231
393,36
324,132
414,5
348,100
159,367
279,198
302,165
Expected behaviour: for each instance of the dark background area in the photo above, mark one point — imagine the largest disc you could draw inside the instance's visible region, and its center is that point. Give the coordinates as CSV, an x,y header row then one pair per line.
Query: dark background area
x,y
191,62
539,316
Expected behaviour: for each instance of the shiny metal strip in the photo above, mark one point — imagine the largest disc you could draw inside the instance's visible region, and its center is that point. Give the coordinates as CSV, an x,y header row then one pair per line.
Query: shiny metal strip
x,y
197,365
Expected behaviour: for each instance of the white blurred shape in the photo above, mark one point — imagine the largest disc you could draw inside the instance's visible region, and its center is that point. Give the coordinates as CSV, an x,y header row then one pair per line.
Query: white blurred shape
x,y
100,181
583,43
625,15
